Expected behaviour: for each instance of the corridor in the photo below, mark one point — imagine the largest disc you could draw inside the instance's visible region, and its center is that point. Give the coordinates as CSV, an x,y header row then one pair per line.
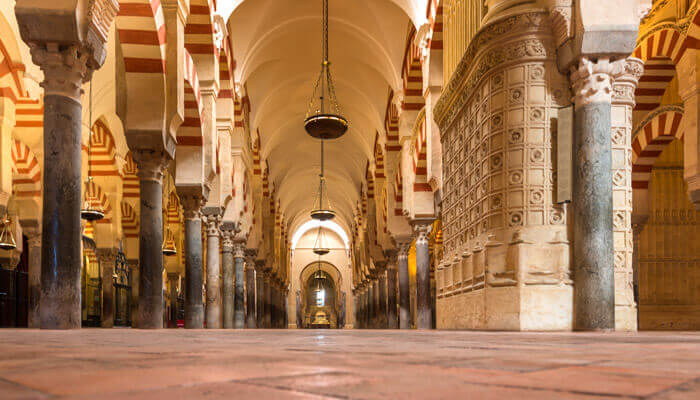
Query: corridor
x,y
354,364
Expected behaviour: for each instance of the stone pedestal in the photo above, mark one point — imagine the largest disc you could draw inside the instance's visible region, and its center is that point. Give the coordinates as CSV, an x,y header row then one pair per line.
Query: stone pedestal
x,y
424,313
107,259
228,277
239,312
594,273
194,308
250,321
213,312
404,293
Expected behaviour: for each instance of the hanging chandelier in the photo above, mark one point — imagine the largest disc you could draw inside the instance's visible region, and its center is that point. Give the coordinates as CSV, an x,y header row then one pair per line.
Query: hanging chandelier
x,y
7,239
319,248
323,119
322,207
169,248
92,209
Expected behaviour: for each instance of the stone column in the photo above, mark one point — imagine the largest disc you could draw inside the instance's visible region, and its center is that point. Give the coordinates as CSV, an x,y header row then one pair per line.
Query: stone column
x,y
34,277
267,312
151,166
174,281
424,311
259,293
239,312
107,258
133,266
382,298
392,321
194,308
594,274
227,275
250,320
213,312
404,293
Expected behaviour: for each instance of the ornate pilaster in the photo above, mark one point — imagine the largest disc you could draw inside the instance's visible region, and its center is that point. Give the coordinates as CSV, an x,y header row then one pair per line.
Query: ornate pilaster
x,y
594,272
626,74
213,311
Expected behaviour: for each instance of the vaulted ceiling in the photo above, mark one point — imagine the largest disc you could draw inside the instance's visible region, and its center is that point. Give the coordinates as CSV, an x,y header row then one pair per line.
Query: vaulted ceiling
x,y
277,47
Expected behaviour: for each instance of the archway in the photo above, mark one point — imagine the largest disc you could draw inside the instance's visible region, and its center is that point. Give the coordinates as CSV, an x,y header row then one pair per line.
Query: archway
x,y
320,302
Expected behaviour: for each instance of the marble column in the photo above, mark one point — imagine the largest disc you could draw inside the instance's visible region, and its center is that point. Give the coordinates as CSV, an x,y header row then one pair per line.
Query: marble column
x,y
267,313
107,259
174,282
227,276
382,298
133,266
392,320
594,279
259,293
250,320
238,311
65,70
151,168
213,312
194,308
404,293
34,277
424,310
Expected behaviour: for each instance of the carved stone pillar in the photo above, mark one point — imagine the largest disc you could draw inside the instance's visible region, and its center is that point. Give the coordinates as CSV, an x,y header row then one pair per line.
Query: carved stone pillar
x,y
194,308
424,310
151,167
626,74
228,276
404,293
213,312
34,277
107,259
594,284
391,279
173,282
260,293
250,321
66,66
238,259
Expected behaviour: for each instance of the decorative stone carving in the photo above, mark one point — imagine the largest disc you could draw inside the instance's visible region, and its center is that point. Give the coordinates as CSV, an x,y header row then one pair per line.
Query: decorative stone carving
x,y
65,68
592,82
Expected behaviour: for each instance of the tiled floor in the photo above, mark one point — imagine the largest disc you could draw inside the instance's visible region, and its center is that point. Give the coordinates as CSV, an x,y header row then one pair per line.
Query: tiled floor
x,y
265,364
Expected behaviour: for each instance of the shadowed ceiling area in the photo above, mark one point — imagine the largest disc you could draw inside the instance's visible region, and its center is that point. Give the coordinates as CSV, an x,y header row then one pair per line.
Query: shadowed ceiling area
x,y
277,47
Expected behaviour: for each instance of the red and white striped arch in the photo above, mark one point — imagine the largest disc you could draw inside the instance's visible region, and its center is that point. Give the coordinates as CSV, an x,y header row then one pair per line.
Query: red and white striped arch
x,y
391,124
370,182
130,221
420,159
26,172
199,30
173,210
141,28
692,40
661,127
11,82
412,74
131,186
434,15
660,52
256,155
29,114
398,192
226,68
98,199
190,132
103,151
378,158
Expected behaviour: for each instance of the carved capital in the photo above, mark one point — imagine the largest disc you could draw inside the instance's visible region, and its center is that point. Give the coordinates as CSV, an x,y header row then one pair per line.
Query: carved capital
x,y
391,257
626,74
226,239
65,68
213,222
106,256
238,249
151,164
592,81
192,206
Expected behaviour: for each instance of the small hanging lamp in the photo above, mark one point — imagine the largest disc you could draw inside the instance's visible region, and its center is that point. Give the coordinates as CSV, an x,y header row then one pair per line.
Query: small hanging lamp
x,y
7,239
319,248
169,248
92,209
323,119
322,207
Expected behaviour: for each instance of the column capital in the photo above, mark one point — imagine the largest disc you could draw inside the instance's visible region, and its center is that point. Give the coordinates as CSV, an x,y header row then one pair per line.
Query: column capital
x,y
238,248
106,255
213,222
192,205
626,75
391,258
65,68
151,164
592,81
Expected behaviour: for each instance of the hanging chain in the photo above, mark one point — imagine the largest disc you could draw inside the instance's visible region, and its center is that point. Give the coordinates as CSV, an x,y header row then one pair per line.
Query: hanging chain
x,y
325,32
89,147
